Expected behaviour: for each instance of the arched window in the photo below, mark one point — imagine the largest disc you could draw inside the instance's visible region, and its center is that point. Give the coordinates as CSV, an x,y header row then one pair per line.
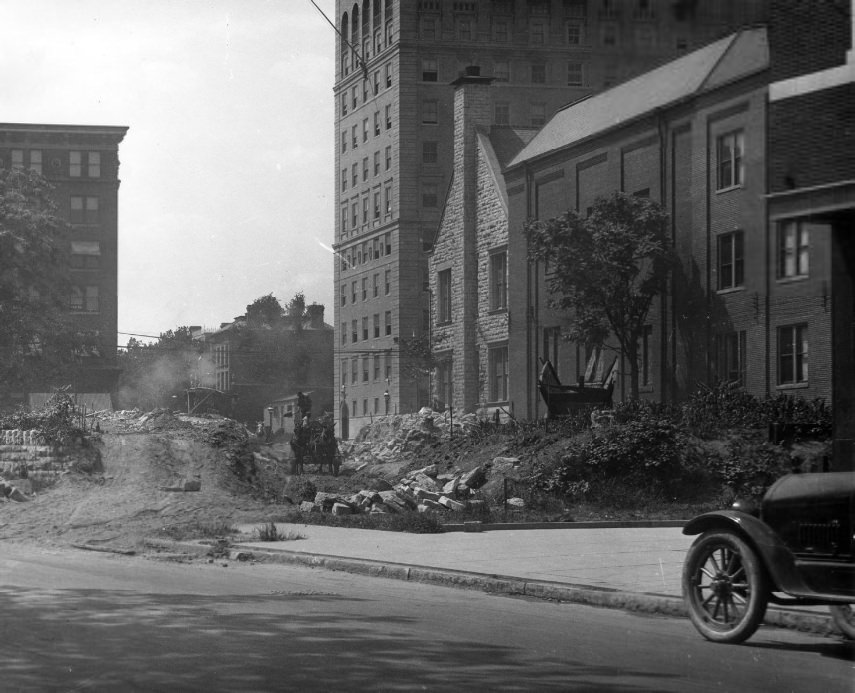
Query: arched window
x,y
354,25
344,49
366,18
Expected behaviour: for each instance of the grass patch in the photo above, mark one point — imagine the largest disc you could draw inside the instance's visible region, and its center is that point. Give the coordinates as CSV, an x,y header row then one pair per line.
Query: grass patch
x,y
270,532
199,530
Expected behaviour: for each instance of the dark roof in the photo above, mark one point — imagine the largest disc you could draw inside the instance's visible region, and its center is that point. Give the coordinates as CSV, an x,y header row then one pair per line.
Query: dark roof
x,y
731,58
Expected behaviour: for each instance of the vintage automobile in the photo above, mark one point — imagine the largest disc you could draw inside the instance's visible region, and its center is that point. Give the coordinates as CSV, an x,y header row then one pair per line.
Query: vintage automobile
x,y
796,548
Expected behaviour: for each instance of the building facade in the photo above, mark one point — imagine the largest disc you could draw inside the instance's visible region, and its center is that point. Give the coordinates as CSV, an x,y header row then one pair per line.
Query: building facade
x,y
394,143
82,164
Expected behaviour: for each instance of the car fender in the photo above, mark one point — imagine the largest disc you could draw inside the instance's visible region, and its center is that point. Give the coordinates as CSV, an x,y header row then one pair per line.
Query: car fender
x,y
778,560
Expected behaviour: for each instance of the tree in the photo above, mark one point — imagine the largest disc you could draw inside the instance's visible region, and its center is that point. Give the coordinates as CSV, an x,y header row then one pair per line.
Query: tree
x,y
606,269
265,310
37,341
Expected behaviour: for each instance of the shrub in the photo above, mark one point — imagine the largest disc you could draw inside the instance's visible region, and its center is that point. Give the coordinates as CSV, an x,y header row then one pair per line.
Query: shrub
x,y
58,421
303,490
748,470
722,406
269,532
199,530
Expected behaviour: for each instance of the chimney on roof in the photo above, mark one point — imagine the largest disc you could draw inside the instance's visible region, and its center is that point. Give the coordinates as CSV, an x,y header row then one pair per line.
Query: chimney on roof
x,y
316,316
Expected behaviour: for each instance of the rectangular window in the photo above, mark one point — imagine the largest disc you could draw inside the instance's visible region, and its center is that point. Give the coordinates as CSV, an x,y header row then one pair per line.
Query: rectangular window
x,y
388,322
343,333
354,215
443,384
464,30
353,291
376,82
443,308
365,328
343,215
430,72
498,365
18,158
375,284
354,331
731,250
344,371
537,33
538,114
500,31
376,327
575,74
499,281
387,191
538,73
429,195
387,241
609,34
388,282
645,376
792,354
343,298
377,205
501,70
354,137
793,250
730,357
85,255
388,158
388,75
343,179
84,210
376,367
344,104
364,377
388,116
376,163
574,34
365,209
428,28
502,113
365,129
365,288
429,111
377,254
36,160
376,123
730,148
354,373
75,164
429,152
85,299
354,175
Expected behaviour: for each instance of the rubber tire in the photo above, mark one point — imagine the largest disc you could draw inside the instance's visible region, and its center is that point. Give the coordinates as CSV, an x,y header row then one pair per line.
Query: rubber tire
x,y
757,583
843,616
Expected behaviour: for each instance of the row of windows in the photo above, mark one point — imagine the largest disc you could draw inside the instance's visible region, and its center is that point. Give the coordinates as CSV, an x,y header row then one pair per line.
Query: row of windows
x,y
84,209
373,208
366,292
730,355
574,32
365,407
85,255
368,127
367,35
374,329
352,178
373,369
498,289
85,299
365,252
350,100
79,162
497,377
792,253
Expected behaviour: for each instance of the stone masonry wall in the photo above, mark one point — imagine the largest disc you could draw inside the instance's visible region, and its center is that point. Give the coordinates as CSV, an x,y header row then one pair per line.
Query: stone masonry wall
x,y
23,454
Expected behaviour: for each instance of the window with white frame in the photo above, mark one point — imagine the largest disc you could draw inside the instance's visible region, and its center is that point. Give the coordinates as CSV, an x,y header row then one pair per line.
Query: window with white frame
x,y
730,351
729,152
793,250
575,33
497,359
538,114
430,70
499,280
429,152
731,262
443,298
429,111
793,354
502,113
443,383
575,74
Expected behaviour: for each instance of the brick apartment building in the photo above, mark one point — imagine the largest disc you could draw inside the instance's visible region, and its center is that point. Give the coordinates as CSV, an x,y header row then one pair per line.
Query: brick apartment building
x,y
82,163
394,135
761,221
811,196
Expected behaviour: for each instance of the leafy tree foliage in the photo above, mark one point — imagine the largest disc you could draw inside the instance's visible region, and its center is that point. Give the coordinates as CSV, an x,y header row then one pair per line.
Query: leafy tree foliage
x,y
37,342
606,269
265,310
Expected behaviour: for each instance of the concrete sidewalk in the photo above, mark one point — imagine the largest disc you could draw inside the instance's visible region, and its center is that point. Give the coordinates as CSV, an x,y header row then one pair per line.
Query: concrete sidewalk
x,y
637,568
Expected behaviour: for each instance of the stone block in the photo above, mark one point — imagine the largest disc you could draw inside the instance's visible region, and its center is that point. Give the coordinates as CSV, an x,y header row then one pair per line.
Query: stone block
x,y
309,507
426,482
192,485
474,478
450,488
457,506
341,509
423,494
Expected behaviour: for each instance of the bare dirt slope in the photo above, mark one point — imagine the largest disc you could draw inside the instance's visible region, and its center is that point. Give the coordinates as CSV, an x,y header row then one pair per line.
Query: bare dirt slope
x,y
128,499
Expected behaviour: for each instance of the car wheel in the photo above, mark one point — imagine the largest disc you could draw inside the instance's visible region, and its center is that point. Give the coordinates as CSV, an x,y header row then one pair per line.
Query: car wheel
x,y
724,587
844,618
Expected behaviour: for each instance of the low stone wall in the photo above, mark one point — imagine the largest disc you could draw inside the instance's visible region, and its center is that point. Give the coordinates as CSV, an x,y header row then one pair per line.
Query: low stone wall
x,y
24,455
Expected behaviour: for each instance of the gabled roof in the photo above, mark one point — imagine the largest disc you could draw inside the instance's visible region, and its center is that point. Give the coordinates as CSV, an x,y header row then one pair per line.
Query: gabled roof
x,y
500,145
731,58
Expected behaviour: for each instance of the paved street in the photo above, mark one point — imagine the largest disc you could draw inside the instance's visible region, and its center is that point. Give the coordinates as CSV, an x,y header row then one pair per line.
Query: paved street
x,y
85,621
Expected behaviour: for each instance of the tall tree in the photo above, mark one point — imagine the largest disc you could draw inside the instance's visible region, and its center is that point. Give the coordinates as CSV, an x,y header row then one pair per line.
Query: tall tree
x,y
606,269
37,342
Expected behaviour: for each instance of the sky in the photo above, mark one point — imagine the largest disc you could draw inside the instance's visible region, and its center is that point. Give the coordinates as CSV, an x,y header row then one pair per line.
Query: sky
x,y
226,171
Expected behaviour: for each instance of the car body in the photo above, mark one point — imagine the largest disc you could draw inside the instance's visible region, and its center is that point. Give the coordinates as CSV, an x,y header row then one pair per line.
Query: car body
x,y
797,548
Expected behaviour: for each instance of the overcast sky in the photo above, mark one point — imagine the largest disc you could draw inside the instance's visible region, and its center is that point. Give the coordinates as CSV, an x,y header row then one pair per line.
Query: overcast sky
x,y
227,168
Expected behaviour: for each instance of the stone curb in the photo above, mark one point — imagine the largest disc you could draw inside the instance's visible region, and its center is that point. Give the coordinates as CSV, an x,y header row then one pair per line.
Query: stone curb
x,y
640,602
649,603
598,524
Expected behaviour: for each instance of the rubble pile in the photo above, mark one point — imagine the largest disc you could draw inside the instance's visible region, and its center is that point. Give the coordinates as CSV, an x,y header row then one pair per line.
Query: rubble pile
x,y
401,437
422,490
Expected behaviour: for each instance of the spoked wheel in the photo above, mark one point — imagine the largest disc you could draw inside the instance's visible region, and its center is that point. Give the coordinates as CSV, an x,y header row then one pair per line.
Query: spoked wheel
x,y
725,587
844,618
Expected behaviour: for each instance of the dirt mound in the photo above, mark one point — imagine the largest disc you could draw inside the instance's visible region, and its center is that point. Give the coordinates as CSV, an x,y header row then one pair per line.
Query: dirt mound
x,y
152,465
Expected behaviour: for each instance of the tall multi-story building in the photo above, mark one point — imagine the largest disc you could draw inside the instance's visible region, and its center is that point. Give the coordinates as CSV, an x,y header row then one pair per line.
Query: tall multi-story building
x,y
82,163
395,62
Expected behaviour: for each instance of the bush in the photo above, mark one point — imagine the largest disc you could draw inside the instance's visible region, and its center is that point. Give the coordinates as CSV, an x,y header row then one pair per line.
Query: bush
x,y
58,421
303,490
748,470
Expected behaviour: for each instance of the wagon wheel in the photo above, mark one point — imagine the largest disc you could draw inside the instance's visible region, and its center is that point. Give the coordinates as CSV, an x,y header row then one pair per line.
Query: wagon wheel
x,y
844,618
725,587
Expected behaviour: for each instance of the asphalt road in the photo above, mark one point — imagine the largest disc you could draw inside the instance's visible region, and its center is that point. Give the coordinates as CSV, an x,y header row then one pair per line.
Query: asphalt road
x,y
79,621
